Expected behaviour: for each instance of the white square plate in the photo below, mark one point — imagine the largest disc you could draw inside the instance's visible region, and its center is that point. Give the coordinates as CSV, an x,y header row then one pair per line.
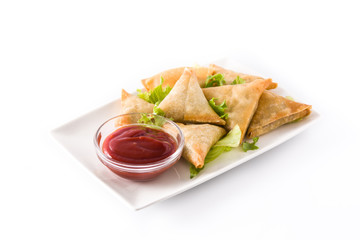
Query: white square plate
x,y
77,137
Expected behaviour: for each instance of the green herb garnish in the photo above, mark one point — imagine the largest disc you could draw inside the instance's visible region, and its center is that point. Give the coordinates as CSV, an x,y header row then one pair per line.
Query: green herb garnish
x,y
238,80
250,146
158,111
156,95
219,109
152,120
215,80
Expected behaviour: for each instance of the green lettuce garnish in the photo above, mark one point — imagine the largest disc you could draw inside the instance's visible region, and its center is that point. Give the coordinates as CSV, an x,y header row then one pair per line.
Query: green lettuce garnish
x,y
250,146
219,109
215,80
155,118
156,95
238,80
146,119
290,98
152,120
231,140
158,111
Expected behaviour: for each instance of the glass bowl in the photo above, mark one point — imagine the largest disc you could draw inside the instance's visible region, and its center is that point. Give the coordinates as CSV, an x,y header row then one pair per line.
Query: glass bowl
x,y
139,171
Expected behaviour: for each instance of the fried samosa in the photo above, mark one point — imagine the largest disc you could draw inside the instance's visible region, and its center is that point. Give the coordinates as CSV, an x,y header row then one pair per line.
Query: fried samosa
x,y
230,76
273,111
187,103
241,101
171,76
199,138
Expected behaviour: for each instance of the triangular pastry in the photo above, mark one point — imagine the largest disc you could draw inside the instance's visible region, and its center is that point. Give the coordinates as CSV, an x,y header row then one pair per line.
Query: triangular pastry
x,y
273,111
241,101
230,76
199,138
171,76
187,103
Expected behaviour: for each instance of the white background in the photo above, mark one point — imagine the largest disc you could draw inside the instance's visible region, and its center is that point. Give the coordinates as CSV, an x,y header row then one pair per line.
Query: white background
x,y
61,59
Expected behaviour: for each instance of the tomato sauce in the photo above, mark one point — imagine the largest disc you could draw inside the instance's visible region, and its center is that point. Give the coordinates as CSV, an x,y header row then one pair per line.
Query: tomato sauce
x,y
137,144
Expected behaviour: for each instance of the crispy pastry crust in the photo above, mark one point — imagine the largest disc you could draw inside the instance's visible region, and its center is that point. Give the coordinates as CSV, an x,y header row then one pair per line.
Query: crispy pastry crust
x,y
199,138
274,111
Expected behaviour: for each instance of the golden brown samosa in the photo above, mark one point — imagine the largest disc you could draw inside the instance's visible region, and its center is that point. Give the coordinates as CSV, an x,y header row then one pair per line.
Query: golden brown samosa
x,y
171,76
241,101
273,111
199,138
187,103
230,75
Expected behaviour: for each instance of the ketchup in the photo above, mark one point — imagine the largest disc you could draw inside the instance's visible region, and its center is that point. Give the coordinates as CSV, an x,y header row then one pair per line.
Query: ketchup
x,y
139,145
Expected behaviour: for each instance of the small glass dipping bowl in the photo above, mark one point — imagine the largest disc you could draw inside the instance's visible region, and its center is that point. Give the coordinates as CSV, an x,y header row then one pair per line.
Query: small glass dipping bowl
x,y
143,171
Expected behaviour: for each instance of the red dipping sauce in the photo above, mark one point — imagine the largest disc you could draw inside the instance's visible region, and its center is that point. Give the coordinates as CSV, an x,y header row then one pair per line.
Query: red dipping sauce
x,y
136,144
138,151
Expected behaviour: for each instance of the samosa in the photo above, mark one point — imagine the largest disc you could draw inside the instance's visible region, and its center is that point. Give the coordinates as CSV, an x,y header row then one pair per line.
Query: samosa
x,y
273,111
199,138
241,101
187,103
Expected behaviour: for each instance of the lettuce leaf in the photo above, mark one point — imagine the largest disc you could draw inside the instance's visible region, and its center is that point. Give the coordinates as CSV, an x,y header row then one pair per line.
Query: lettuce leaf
x,y
250,146
238,80
215,80
145,119
152,120
158,111
231,140
156,118
156,95
219,109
